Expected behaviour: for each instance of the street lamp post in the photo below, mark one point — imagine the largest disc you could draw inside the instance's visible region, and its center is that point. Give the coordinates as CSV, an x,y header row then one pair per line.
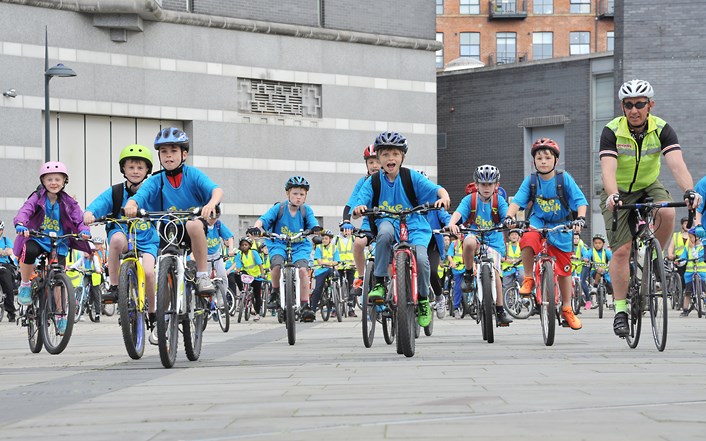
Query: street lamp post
x,y
57,71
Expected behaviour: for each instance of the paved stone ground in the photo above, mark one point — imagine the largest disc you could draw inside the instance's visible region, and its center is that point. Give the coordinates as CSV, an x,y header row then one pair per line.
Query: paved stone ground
x,y
250,384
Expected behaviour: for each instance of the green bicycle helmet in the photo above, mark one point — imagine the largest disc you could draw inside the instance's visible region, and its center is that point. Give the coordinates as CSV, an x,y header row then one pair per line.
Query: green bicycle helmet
x,y
135,151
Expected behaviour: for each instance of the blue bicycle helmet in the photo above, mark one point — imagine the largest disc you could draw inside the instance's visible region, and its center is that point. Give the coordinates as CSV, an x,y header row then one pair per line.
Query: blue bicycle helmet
x,y
391,140
296,181
171,135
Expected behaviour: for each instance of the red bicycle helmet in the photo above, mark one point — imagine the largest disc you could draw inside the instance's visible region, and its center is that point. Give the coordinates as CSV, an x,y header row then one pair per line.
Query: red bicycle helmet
x,y
545,143
369,152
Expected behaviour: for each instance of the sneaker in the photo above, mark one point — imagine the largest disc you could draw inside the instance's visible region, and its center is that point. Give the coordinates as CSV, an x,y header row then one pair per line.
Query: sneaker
x,y
502,317
527,285
588,304
97,319
273,303
307,314
11,317
24,295
153,336
423,313
467,283
351,313
61,324
568,313
256,317
110,295
204,285
684,313
358,283
440,303
458,313
621,327
377,293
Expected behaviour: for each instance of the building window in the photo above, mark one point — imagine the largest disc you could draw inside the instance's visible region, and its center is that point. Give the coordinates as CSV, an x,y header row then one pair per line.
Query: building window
x,y
579,43
469,7
610,43
506,43
542,45
580,7
279,98
543,7
439,7
470,45
440,52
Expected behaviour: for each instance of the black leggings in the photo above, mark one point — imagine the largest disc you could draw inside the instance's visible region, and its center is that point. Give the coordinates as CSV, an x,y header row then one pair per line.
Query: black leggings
x,y
32,250
434,261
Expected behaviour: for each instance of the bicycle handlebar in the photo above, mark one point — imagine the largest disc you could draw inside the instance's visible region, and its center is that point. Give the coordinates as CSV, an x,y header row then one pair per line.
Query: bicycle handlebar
x,y
382,212
649,206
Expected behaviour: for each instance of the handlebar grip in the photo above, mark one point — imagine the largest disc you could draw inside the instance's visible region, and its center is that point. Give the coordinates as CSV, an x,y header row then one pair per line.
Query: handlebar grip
x,y
690,221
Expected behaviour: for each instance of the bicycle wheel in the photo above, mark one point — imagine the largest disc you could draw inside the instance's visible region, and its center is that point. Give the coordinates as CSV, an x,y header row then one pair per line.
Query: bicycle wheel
x,y
93,292
289,296
325,302
108,310
406,314
697,295
264,296
132,318
548,307
466,300
576,296
653,275
80,304
514,304
232,302
601,299
389,325
240,305
679,292
58,305
222,306
487,304
34,335
429,329
167,313
339,301
369,316
247,304
193,325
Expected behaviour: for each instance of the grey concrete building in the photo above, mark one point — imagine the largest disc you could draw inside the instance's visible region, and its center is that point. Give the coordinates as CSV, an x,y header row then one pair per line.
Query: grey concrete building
x,y
493,114
264,89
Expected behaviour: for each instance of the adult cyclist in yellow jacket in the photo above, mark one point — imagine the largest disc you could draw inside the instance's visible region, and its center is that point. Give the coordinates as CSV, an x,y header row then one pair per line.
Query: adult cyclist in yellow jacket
x,y
630,150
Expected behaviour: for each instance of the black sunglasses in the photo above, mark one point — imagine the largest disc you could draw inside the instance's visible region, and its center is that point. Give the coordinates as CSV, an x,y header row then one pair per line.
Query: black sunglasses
x,y
640,105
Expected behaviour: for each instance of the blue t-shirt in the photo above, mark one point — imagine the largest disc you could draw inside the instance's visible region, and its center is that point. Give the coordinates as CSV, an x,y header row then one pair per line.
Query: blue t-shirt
x,y
700,188
438,219
351,199
451,252
157,194
146,235
216,232
289,225
5,243
52,224
547,210
484,219
394,198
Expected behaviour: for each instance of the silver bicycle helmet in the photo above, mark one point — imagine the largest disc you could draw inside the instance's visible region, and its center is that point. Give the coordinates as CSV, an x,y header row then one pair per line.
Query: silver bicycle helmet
x,y
488,174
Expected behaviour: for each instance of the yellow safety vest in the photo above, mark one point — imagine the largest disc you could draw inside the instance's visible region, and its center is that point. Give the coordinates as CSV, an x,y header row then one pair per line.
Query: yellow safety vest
x,y
458,254
578,267
679,243
694,253
345,252
513,251
599,258
249,265
327,252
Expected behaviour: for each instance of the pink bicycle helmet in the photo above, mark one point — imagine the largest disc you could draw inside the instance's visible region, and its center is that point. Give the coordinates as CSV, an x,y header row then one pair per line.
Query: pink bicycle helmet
x,y
53,167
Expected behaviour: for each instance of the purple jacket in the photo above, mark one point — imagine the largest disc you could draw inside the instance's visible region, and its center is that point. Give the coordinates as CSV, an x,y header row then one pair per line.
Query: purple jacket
x,y
32,214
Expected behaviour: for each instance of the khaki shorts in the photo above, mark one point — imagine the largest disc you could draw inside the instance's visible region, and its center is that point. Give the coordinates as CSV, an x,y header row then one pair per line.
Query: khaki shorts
x,y
622,234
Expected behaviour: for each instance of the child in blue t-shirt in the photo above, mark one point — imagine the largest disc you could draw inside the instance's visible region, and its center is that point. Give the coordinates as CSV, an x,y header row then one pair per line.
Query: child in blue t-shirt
x,y
487,178
296,216
549,211
391,148
326,255
180,187
218,234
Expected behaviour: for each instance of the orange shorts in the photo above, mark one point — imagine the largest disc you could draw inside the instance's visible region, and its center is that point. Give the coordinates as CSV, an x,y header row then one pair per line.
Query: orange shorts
x,y
533,240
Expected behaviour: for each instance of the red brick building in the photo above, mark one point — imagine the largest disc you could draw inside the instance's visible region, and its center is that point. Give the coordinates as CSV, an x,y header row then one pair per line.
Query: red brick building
x,y
511,31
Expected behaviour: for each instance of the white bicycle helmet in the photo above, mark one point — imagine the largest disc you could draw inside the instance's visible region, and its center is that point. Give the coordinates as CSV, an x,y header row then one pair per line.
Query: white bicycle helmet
x,y
635,89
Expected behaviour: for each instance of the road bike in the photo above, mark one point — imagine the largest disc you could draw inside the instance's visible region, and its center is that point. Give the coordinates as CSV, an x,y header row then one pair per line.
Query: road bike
x,y
88,296
52,300
402,298
643,293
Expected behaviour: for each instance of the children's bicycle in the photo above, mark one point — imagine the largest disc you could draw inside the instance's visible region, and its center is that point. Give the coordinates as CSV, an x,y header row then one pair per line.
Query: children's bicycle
x,y
88,296
402,298
675,289
332,299
517,305
246,300
647,290
373,313
696,287
602,290
218,301
49,319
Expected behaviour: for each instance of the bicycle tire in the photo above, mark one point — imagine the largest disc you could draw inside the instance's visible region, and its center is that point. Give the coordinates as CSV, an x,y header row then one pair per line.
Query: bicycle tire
x,y
450,298
167,313
78,295
634,313
325,302
92,313
222,313
487,304
240,305
369,314
680,292
193,327
389,326
265,289
132,319
406,314
232,302
656,302
429,329
248,304
289,296
601,299
465,303
34,335
672,289
548,307
698,295
54,342
108,310
513,304
576,296
340,305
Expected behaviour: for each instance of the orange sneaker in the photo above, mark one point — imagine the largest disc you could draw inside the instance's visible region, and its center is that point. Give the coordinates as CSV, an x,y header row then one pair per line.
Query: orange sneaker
x,y
358,283
527,286
571,319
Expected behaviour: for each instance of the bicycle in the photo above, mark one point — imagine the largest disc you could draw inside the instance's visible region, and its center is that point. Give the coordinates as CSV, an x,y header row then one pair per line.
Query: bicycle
x,y
87,296
265,290
246,299
331,296
517,305
218,301
52,300
675,290
373,313
696,294
546,290
177,300
577,299
402,298
642,293
289,294
14,271
602,290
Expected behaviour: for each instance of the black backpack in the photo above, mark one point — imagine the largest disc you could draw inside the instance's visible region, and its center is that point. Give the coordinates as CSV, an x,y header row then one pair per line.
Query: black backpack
x,y
559,192
280,213
406,177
